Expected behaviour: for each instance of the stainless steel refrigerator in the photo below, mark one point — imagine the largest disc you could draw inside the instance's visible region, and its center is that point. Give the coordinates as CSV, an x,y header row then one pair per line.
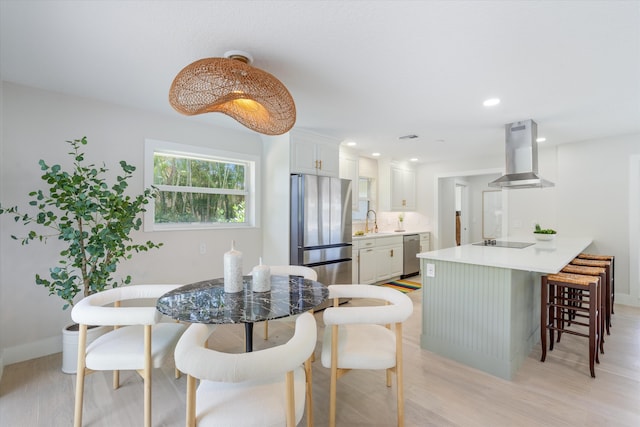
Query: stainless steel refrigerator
x,y
321,226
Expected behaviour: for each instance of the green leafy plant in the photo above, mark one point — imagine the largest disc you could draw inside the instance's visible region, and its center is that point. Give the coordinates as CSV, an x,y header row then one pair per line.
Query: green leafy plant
x,y
540,230
94,220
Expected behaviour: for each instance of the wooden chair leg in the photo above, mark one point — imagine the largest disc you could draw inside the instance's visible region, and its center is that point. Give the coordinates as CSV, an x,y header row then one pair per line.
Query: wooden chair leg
x,y
593,322
544,307
116,380
147,375
80,374
334,375
191,401
291,410
309,384
266,329
399,375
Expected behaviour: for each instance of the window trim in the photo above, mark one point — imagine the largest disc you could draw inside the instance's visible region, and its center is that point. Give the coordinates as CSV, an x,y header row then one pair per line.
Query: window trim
x,y
252,212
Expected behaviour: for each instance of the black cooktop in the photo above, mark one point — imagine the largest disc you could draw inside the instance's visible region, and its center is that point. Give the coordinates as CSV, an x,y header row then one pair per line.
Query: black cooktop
x,y
503,244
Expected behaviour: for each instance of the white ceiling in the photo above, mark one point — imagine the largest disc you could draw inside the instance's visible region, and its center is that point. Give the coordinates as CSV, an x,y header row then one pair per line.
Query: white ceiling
x,y
368,71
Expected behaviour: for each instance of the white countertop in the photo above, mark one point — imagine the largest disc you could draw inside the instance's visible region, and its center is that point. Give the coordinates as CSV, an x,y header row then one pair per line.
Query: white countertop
x,y
388,234
542,257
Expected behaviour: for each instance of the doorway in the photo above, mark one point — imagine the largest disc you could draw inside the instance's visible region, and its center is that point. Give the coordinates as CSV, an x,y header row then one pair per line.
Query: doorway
x,y
461,214
460,191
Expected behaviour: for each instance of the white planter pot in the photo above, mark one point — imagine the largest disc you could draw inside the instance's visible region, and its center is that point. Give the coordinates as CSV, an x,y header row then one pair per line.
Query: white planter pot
x,y
544,237
70,345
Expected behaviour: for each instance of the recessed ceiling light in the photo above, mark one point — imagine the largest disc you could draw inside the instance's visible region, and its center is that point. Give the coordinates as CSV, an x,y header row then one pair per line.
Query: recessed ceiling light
x,y
375,154
491,102
541,139
413,159
351,143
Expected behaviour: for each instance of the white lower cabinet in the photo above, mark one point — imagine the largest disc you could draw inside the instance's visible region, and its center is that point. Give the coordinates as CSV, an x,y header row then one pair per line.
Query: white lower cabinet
x,y
366,261
380,259
367,266
425,242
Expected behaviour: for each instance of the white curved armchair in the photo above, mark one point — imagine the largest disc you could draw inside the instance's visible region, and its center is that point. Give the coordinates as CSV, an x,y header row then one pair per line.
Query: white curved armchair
x,y
260,388
356,338
289,270
138,342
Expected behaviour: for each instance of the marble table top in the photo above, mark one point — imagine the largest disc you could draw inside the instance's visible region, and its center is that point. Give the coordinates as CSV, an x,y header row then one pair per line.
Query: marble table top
x,y
207,302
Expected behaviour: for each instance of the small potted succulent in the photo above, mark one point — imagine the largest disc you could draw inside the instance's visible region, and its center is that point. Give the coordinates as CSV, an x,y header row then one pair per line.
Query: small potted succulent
x,y
544,233
400,221
93,219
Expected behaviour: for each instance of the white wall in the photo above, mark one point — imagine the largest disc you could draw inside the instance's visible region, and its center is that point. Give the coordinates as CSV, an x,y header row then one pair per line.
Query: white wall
x,y
35,125
275,201
590,198
594,199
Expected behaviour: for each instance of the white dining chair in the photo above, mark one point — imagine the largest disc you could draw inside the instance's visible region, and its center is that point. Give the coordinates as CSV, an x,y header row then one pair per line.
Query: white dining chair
x,y
261,388
365,337
289,270
139,341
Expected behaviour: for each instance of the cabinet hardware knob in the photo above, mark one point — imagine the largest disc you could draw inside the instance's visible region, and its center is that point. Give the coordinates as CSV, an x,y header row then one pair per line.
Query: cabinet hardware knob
x,y
392,253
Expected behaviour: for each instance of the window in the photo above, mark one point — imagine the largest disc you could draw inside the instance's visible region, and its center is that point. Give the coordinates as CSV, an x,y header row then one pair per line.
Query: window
x,y
199,187
366,199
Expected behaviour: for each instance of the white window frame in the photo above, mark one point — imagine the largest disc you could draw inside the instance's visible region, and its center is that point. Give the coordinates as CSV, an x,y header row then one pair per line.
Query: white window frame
x,y
252,168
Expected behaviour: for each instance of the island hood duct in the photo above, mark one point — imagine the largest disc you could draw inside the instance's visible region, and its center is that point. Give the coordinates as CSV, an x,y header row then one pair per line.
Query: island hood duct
x,y
521,152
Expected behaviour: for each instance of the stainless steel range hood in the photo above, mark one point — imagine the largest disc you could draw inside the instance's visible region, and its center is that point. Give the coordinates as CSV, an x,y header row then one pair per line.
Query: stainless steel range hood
x,y
521,150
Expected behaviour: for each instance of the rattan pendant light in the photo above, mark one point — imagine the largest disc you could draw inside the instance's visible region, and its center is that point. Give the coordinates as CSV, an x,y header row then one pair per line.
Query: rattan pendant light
x,y
231,86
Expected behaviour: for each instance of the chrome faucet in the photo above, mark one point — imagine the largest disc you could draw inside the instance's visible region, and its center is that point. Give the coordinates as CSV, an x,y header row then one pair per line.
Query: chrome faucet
x,y
375,222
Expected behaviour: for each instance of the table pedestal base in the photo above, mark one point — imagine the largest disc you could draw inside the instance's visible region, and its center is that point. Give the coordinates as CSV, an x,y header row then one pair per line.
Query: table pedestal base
x,y
248,337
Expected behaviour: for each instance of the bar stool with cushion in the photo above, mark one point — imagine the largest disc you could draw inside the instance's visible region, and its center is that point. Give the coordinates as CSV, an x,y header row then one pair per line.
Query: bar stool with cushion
x,y
602,274
140,341
560,308
357,338
260,388
611,259
608,283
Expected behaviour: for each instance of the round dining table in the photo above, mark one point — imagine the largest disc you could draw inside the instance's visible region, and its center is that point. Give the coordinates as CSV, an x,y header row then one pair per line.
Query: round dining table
x,y
207,302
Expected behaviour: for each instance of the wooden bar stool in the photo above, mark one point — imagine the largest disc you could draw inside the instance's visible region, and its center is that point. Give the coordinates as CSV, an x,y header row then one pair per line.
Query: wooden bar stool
x,y
608,283
602,274
610,258
559,309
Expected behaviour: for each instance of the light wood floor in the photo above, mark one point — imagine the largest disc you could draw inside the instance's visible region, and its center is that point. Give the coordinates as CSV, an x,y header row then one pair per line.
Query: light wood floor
x,y
438,392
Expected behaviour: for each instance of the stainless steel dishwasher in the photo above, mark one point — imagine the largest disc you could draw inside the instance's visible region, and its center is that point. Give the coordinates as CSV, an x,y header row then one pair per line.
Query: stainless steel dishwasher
x,y
410,263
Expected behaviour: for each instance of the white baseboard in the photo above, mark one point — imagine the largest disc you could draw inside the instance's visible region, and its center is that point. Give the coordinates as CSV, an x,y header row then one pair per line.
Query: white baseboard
x,y
32,350
626,299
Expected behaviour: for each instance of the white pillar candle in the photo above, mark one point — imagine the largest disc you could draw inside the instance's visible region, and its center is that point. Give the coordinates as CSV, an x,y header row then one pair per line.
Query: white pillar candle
x,y
233,270
261,278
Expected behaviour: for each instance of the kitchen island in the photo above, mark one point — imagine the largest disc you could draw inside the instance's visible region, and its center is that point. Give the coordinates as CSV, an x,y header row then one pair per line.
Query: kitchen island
x,y
481,304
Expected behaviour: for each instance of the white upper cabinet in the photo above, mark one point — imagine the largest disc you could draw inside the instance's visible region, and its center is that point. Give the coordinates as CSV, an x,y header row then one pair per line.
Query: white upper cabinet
x,y
397,187
349,170
403,189
314,154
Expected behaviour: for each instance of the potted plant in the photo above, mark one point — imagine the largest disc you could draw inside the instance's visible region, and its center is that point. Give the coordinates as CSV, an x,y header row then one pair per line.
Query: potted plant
x,y
544,233
400,221
93,219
